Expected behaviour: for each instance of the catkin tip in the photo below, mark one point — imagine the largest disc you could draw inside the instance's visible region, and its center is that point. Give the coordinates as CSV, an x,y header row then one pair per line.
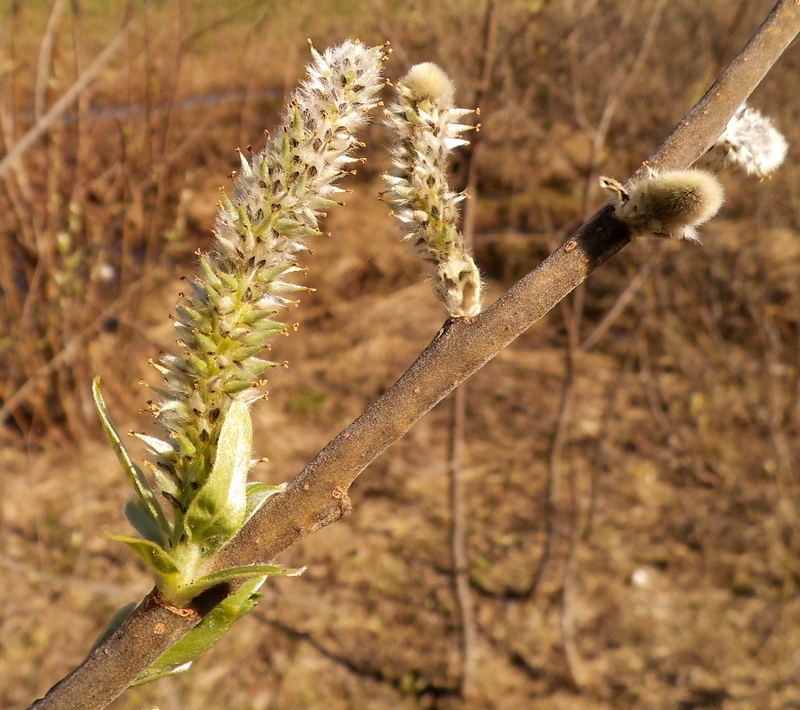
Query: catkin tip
x,y
429,81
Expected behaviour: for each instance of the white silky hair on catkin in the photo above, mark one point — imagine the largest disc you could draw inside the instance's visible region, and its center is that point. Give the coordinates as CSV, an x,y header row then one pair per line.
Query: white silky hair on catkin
x,y
429,81
751,141
670,203
427,128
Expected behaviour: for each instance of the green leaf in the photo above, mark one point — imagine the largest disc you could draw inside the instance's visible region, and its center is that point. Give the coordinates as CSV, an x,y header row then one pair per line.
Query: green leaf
x,y
156,558
212,545
138,515
203,636
226,575
220,506
134,473
257,494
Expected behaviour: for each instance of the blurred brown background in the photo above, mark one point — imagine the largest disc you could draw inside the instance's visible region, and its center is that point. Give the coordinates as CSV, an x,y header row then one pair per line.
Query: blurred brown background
x,y
636,548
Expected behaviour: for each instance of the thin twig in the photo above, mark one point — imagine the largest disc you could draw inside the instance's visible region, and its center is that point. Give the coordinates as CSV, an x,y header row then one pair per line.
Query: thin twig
x,y
481,91
573,322
45,57
577,668
466,609
463,593
553,479
621,303
363,670
318,496
599,460
67,353
59,107
620,84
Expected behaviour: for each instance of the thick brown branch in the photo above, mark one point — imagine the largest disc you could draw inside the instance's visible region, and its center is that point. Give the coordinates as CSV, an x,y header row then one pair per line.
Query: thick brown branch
x,y
318,496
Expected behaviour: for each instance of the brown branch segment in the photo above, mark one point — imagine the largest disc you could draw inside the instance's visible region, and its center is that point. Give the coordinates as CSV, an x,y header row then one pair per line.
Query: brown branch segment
x,y
318,496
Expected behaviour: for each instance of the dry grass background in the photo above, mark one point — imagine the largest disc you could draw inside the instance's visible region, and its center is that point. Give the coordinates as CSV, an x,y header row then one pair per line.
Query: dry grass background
x,y
651,561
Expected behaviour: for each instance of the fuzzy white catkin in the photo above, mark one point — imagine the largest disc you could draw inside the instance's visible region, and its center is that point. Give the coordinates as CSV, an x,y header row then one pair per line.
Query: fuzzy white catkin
x,y
751,142
229,313
426,127
428,81
671,203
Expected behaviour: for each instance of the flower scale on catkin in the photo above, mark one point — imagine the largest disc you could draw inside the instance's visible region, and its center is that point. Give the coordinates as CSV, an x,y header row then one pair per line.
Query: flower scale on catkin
x,y
669,203
751,142
427,128
228,314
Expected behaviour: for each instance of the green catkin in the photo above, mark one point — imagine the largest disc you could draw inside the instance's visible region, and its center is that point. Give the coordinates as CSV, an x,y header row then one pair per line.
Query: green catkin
x,y
229,314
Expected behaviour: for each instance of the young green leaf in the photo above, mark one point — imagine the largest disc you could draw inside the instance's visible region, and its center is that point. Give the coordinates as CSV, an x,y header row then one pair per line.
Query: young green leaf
x,y
139,515
257,494
137,478
226,575
203,636
156,558
220,506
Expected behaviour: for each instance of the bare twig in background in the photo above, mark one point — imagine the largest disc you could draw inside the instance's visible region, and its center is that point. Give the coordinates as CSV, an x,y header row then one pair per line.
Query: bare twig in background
x,y
63,103
318,496
621,82
70,350
45,57
631,290
599,459
481,91
364,670
556,477
19,188
575,664
466,607
563,503
37,225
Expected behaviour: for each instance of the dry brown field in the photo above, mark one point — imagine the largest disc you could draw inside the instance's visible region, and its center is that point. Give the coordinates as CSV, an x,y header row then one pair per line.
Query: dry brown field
x,y
632,524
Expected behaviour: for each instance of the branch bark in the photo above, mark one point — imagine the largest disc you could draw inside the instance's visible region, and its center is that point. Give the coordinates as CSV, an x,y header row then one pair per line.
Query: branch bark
x,y
318,495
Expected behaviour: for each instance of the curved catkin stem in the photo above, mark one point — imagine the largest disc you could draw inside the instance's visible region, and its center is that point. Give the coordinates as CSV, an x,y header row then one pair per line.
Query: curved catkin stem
x,y
318,496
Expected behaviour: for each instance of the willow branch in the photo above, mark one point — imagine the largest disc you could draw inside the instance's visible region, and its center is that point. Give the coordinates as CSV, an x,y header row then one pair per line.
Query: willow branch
x,y
463,346
318,495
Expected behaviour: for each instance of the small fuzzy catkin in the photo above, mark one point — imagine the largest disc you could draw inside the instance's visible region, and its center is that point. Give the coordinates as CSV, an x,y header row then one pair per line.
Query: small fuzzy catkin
x,y
751,142
427,128
428,81
670,203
